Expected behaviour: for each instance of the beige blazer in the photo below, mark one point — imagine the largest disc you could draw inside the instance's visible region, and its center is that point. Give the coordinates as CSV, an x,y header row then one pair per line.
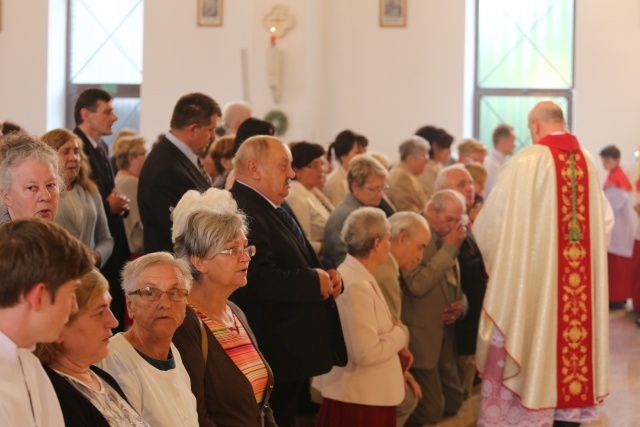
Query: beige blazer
x,y
373,375
388,278
336,188
406,192
427,289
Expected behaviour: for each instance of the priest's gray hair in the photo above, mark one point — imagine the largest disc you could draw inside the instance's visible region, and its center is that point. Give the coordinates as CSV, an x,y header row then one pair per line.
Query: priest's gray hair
x,y
362,227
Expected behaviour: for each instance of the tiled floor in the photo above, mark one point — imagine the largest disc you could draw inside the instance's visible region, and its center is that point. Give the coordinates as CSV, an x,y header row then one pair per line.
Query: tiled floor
x,y
620,409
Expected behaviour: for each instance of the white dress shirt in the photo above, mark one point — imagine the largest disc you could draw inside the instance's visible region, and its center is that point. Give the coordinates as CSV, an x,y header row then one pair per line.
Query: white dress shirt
x,y
27,397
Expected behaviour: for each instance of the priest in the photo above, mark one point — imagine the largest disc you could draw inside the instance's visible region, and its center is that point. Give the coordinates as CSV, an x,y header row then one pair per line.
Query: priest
x,y
543,348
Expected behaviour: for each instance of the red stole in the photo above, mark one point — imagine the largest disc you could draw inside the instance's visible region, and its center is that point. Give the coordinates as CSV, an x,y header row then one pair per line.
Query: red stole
x,y
617,178
575,368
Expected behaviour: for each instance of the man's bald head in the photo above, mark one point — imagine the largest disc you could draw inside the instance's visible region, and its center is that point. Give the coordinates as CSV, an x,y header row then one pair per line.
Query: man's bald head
x,y
264,164
546,117
233,114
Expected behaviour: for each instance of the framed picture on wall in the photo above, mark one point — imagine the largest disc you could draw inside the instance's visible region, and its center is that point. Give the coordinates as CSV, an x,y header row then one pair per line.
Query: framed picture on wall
x,y
393,13
210,13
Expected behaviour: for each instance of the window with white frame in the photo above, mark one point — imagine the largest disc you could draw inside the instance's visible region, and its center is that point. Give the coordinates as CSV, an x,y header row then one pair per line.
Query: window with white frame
x,y
105,51
524,54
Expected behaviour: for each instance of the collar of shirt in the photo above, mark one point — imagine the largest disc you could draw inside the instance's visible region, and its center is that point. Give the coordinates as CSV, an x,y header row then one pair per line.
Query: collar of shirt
x,y
265,197
9,349
93,143
184,148
497,156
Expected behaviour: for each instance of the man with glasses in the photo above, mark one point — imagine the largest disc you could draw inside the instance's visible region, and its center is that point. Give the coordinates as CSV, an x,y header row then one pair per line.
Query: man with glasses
x,y
367,183
407,192
289,297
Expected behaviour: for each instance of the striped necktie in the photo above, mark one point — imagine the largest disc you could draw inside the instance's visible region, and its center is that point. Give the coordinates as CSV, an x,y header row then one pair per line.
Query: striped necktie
x,y
204,173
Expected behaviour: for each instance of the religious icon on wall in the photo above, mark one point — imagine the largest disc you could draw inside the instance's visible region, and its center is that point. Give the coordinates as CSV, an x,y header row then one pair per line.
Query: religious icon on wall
x,y
210,13
393,13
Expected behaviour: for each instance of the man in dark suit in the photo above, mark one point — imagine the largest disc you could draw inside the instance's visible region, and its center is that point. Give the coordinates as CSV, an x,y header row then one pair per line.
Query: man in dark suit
x,y
94,116
173,167
289,297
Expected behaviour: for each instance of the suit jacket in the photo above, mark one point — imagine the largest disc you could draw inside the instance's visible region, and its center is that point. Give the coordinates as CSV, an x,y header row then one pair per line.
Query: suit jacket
x,y
102,174
427,289
166,175
298,332
473,281
406,191
373,343
223,393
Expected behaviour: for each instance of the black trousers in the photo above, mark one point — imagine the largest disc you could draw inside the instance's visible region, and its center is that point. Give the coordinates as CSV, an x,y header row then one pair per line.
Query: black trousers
x,y
284,400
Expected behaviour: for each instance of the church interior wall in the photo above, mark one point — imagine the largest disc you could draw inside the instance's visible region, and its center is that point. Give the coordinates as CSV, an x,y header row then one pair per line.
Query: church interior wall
x,y
340,70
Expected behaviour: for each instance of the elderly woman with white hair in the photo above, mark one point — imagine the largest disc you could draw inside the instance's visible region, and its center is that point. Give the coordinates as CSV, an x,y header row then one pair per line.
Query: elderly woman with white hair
x,y
147,366
30,182
229,376
367,390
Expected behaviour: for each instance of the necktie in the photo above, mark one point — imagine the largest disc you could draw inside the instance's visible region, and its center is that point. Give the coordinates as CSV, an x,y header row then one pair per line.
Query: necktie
x,y
204,173
293,225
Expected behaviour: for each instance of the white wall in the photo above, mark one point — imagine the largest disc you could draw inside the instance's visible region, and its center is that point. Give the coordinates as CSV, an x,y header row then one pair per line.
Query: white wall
x,y
607,94
180,57
387,82
23,64
341,69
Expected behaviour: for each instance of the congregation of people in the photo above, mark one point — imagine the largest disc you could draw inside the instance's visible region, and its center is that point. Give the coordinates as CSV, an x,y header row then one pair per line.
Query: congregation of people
x,y
223,277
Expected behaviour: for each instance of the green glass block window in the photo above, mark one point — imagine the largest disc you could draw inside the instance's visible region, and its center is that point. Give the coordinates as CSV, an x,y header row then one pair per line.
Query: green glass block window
x,y
525,54
513,110
525,44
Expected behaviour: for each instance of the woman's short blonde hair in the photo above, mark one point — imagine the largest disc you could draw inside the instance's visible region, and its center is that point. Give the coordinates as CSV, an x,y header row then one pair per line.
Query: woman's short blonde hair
x,y
363,166
128,146
478,172
92,285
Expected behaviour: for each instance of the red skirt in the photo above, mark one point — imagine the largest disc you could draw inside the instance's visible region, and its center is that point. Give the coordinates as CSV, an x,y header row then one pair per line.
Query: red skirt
x,y
334,413
620,275
635,276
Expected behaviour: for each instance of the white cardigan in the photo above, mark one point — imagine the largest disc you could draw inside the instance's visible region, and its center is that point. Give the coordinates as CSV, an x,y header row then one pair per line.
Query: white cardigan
x,y
373,375
162,398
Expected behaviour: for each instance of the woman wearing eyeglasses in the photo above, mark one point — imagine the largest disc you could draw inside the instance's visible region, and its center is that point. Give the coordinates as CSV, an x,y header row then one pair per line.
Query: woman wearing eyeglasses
x,y
229,376
146,365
